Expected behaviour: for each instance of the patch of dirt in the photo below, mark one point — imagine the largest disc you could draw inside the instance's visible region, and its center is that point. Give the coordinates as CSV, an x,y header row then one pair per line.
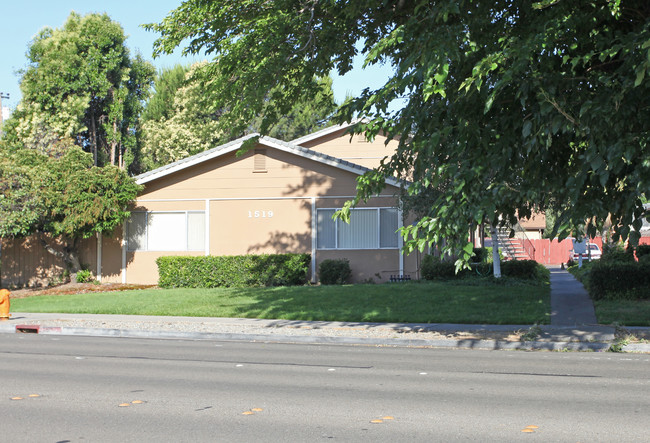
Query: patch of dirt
x,y
76,288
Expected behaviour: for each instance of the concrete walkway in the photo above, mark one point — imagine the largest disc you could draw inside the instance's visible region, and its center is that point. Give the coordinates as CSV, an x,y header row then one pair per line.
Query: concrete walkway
x,y
571,305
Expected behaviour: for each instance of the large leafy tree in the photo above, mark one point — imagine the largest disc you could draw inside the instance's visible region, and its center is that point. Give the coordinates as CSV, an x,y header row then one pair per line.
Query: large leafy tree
x,y
82,87
184,116
66,197
509,106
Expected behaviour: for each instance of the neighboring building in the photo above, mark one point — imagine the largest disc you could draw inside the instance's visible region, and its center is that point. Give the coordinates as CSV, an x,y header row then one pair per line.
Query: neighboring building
x,y
277,197
645,228
534,226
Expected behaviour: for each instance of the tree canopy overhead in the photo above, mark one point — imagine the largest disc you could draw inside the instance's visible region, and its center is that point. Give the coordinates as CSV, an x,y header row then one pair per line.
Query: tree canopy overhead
x,y
510,106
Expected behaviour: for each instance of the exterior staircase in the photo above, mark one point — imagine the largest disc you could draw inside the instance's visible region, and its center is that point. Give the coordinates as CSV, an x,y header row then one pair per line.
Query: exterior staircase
x,y
518,247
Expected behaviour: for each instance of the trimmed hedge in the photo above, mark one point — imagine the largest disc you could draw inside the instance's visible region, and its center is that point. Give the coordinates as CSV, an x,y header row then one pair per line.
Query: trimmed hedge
x,y
233,271
334,271
435,269
479,255
642,251
524,269
616,254
614,280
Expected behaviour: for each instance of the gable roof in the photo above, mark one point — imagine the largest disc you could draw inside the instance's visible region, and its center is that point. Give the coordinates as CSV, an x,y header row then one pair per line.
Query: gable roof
x,y
270,142
322,133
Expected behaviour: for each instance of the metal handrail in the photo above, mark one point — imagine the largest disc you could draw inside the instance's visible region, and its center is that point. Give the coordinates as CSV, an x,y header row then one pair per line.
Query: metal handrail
x,y
525,241
521,237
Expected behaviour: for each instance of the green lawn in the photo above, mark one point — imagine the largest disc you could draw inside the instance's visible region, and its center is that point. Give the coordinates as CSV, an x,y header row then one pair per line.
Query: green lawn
x,y
622,311
414,302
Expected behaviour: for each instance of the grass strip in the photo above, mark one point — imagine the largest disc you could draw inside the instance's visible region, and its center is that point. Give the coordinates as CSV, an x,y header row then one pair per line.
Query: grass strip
x,y
623,312
414,302
627,312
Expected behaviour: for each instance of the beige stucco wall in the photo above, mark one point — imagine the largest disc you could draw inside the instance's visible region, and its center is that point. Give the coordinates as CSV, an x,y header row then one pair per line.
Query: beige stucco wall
x,y
252,212
373,265
354,148
286,175
239,227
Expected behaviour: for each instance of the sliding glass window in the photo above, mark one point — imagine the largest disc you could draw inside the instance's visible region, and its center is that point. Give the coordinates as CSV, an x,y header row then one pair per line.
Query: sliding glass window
x,y
166,231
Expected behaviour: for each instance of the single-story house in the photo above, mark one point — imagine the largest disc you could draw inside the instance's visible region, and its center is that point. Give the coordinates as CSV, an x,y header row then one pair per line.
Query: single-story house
x,y
277,197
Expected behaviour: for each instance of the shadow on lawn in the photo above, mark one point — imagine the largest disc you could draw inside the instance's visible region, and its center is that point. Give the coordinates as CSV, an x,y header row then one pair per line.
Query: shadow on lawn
x,y
375,307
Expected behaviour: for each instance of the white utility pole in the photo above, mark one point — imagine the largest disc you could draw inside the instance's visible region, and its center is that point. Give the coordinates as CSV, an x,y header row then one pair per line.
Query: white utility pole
x,y
2,95
496,257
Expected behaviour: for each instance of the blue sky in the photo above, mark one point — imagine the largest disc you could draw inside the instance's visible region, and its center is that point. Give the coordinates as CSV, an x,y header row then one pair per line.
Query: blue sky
x,y
21,20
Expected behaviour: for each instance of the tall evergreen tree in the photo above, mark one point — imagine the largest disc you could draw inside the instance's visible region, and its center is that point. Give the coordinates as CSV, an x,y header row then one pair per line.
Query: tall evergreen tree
x,y
81,87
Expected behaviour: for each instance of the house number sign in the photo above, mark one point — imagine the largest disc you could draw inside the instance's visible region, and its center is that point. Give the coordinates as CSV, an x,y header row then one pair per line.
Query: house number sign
x,y
260,214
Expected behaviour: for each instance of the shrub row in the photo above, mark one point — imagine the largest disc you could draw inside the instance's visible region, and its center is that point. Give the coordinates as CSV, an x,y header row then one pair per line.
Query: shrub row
x,y
642,251
614,280
233,271
435,269
524,269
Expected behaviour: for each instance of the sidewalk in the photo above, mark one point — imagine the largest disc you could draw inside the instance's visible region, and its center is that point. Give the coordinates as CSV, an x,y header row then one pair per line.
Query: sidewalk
x,y
570,302
573,327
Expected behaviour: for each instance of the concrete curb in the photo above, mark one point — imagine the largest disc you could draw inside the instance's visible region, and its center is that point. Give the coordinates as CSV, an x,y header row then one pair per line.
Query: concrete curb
x,y
398,342
595,338
491,345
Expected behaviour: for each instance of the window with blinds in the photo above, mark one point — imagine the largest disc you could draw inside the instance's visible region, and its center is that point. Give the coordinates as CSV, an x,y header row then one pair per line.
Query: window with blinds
x,y
369,228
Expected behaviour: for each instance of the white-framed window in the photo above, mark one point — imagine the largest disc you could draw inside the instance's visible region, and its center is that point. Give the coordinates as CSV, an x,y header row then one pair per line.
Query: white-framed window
x,y
166,231
369,228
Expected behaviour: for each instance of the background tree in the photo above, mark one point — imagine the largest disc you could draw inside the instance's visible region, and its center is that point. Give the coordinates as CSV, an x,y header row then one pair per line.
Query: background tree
x,y
66,197
509,107
160,103
305,116
82,87
182,120
184,116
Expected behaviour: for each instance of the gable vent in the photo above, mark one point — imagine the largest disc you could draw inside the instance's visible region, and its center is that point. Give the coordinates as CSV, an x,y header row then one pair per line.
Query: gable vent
x,y
259,160
361,138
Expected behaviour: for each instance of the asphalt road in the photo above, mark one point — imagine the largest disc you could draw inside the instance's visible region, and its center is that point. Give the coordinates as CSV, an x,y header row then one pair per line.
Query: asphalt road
x,y
92,389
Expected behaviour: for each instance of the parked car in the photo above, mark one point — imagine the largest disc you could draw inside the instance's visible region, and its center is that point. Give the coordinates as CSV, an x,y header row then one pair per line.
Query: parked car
x,y
596,253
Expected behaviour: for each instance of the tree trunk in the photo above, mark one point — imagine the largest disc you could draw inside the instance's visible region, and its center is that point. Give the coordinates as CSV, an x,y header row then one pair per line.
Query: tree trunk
x,y
496,257
69,255
114,143
93,138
